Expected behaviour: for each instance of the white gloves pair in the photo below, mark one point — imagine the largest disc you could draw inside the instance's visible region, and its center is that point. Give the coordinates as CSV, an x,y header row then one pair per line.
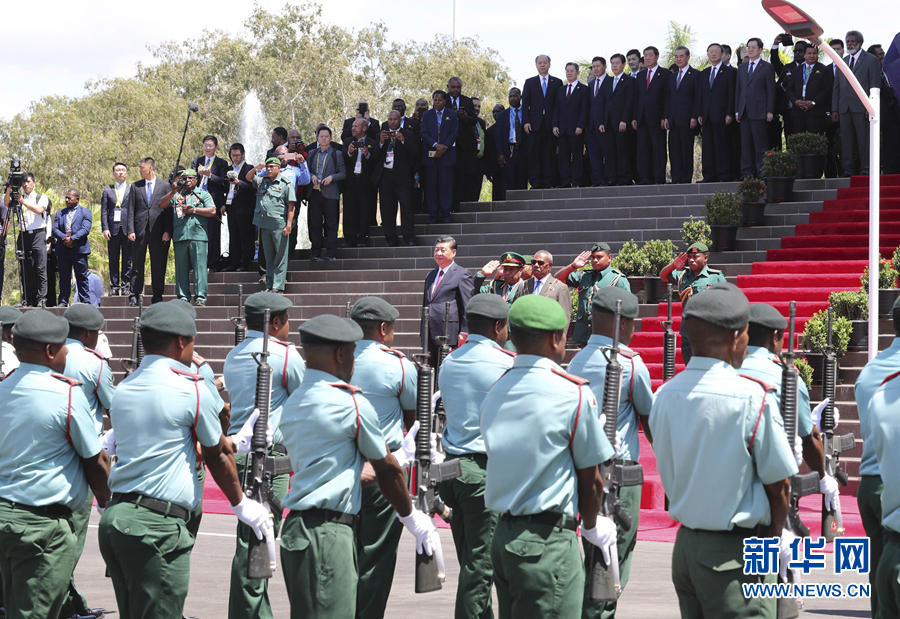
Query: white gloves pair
x,y
244,438
618,445
407,451
828,486
423,527
784,552
603,536
816,415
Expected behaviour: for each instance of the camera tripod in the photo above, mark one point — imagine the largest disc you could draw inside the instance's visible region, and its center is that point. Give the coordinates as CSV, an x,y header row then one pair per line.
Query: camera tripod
x,y
22,259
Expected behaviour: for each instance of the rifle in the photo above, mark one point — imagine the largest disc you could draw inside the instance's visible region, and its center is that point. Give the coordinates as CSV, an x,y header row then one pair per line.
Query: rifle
x,y
427,475
616,474
668,339
240,325
137,345
832,521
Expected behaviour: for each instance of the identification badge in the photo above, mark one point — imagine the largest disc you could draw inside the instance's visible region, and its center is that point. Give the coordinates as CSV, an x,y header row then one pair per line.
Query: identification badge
x,y
357,169
179,211
389,160
117,215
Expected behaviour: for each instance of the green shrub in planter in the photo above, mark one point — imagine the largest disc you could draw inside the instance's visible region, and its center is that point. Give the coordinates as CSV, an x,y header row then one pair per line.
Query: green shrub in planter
x,y
778,164
850,304
631,260
751,190
695,232
807,144
722,209
895,259
815,334
658,253
887,276
806,371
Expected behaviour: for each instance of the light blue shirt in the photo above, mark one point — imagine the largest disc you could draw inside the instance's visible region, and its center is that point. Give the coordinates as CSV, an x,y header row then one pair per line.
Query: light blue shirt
x,y
465,378
153,413
884,435
329,427
298,175
636,396
240,377
767,367
886,363
389,383
38,466
539,427
513,114
718,440
201,367
95,376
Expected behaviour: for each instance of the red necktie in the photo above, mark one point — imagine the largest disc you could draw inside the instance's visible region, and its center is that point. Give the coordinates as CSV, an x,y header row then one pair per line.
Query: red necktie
x,y
437,281
648,78
596,87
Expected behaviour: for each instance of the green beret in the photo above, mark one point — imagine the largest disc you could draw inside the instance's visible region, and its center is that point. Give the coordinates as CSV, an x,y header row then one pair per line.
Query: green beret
x,y
605,301
274,160
765,315
698,248
536,313
84,316
42,327
490,306
374,308
723,305
8,315
189,173
512,259
329,329
600,247
169,318
182,304
256,304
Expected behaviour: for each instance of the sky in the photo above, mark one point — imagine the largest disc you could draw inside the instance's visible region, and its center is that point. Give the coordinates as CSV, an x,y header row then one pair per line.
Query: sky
x,y
60,45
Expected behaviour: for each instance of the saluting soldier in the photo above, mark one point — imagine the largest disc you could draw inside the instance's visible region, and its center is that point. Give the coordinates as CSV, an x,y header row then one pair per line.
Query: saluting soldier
x,y
543,448
709,418
586,283
329,429
275,201
8,317
389,382
49,456
466,376
159,413
250,598
635,401
506,274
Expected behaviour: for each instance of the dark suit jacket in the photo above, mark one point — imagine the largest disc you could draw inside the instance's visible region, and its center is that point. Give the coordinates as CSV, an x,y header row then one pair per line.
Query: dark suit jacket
x,y
457,286
406,155
552,288
244,200
368,165
618,105
108,209
717,102
596,103
217,186
755,96
467,140
373,130
650,102
501,135
146,218
446,135
81,227
571,114
537,109
818,88
684,101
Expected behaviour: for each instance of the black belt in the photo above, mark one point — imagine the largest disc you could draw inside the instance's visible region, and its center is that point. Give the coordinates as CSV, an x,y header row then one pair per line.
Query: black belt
x,y
554,519
154,505
54,510
757,531
330,515
892,536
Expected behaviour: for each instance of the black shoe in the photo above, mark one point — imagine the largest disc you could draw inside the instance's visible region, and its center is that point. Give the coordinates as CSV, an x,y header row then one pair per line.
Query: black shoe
x,y
361,244
330,258
315,258
229,269
411,242
391,243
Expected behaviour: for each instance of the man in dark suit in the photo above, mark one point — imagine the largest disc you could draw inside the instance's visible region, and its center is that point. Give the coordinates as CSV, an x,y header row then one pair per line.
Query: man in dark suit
x,y
485,158
113,221
538,101
682,110
466,143
615,122
784,75
150,228
570,117
418,191
393,175
810,94
594,138
440,129
211,171
755,107
847,107
360,155
649,112
716,87
240,201
832,128
279,138
890,118
406,122
362,111
511,146
496,173
71,228
448,282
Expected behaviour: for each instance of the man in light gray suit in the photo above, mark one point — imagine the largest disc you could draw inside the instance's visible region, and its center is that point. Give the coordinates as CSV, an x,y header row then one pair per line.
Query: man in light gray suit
x,y
847,107
544,284
755,99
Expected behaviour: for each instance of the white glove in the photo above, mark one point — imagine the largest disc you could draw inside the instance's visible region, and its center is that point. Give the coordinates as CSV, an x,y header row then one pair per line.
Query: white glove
x,y
254,515
816,415
798,450
100,510
407,450
828,486
108,442
244,438
603,535
618,446
784,552
423,528
436,456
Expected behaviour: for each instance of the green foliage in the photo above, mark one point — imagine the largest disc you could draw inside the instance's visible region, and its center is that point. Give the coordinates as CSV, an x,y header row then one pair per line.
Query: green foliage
x,y
807,144
805,370
895,259
696,232
722,209
778,164
658,253
681,34
631,260
751,190
573,295
815,334
887,276
851,304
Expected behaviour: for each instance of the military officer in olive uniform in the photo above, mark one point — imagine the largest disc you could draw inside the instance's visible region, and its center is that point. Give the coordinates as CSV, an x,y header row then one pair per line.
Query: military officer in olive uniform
x,y
159,413
466,376
49,456
249,599
275,202
190,236
689,281
635,402
709,418
506,275
543,447
586,283
329,428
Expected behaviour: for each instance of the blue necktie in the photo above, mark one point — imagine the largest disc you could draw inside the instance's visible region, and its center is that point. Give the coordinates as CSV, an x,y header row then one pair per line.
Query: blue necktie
x,y
544,85
712,77
149,192
537,286
750,72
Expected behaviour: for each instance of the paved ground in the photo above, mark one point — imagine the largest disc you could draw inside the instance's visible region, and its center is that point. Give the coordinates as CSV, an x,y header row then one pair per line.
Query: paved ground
x,y
649,593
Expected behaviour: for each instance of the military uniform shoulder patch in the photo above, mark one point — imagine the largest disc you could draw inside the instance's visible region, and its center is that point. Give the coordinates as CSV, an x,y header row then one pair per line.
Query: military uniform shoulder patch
x,y
72,382
629,354
777,360
95,353
571,377
285,344
890,377
504,351
199,360
391,351
351,388
186,374
714,271
766,386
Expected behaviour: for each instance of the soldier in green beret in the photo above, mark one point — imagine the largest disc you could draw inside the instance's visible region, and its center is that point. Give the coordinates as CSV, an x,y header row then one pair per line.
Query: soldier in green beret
x,y
275,202
8,317
506,274
586,283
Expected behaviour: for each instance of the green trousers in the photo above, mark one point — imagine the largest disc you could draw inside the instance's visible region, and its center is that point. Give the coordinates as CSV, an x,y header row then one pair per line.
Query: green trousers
x,y
887,581
473,528
537,570
75,602
630,498
190,255
868,497
249,599
149,560
376,548
193,525
318,560
708,570
37,557
275,245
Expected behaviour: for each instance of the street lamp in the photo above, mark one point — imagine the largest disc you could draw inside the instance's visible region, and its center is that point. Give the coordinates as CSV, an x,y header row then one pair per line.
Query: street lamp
x,y
798,23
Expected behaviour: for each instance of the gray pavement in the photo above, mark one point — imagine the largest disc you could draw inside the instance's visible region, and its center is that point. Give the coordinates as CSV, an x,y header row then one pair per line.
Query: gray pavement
x,y
650,593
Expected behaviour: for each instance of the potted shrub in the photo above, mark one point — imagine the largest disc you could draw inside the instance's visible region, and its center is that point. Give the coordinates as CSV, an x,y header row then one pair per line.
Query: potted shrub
x,y
887,285
806,372
695,232
632,262
658,254
815,338
854,306
723,214
751,195
778,170
809,150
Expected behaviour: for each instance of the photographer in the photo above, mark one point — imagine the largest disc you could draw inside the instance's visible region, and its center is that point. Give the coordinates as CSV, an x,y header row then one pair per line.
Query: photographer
x,y
360,155
362,111
32,219
393,175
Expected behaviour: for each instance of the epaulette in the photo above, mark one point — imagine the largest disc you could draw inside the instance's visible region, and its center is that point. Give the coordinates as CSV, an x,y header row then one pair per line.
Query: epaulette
x,y
392,351
71,381
891,377
91,350
350,388
199,360
191,375
286,344
763,383
717,271
508,352
777,360
629,354
575,379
